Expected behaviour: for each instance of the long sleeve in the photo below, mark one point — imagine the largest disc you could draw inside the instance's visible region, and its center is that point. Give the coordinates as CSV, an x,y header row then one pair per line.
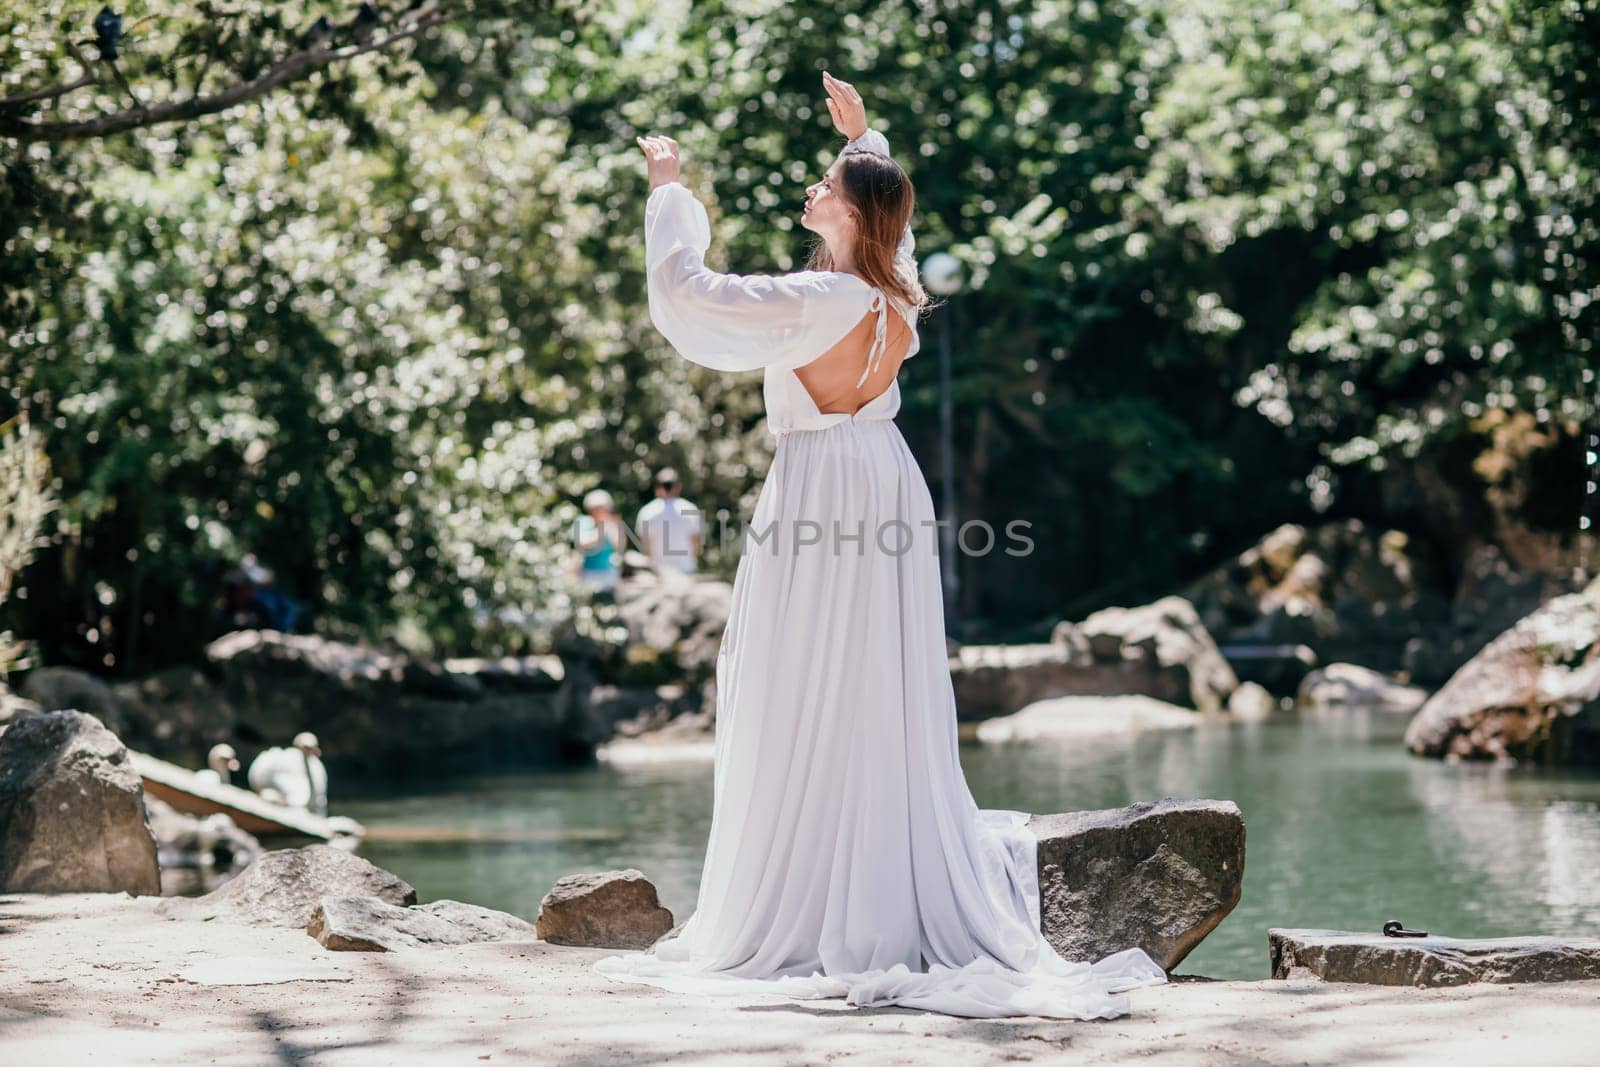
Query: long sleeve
x,y
734,322
905,254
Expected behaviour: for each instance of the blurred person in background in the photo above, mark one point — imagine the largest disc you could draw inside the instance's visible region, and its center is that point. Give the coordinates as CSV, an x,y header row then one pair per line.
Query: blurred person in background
x,y
670,525
599,541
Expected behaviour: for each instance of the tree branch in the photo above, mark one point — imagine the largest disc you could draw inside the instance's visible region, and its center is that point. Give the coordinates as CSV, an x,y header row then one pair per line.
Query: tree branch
x,y
291,68
89,78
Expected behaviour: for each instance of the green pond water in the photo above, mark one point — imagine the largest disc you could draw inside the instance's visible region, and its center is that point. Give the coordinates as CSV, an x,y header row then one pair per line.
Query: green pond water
x,y
1344,829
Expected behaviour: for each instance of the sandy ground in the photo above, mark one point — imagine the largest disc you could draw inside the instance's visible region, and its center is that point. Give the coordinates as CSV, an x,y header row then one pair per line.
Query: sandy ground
x,y
102,979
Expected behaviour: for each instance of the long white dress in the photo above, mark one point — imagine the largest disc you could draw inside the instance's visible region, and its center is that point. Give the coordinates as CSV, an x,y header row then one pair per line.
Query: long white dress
x,y
847,857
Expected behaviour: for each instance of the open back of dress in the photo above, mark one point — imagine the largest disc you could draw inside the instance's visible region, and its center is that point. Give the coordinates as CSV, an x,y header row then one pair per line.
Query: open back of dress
x,y
831,378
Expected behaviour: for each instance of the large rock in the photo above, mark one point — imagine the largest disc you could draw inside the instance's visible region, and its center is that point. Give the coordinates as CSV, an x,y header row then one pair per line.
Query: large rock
x,y
375,712
177,713
283,888
1533,692
1157,875
1158,650
1341,956
1347,592
367,924
1086,716
385,713
72,816
1354,594
651,656
1251,703
381,712
993,680
480,924
674,622
1162,649
1347,687
689,736
603,909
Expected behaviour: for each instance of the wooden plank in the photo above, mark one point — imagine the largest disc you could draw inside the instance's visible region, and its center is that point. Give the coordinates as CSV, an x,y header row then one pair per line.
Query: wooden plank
x,y
188,793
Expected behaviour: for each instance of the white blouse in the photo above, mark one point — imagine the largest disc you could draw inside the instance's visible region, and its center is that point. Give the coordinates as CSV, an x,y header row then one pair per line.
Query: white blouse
x,y
779,323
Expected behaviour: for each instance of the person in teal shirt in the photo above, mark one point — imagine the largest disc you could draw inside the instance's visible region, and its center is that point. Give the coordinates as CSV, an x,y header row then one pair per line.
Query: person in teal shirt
x,y
599,542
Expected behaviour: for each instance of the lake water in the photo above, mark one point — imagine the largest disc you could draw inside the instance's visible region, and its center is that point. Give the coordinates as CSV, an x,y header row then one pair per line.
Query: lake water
x,y
1344,829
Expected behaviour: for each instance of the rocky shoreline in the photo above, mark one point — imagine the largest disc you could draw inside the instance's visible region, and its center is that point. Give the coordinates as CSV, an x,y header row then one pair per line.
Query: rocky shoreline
x,y
73,818
1499,673
1157,875
102,977
245,971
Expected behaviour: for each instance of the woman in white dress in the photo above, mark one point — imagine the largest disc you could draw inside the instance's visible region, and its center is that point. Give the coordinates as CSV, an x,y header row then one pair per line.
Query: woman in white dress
x,y
847,857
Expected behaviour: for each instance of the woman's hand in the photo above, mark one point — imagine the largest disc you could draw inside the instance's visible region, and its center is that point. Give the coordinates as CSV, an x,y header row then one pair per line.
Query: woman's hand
x,y
844,104
661,159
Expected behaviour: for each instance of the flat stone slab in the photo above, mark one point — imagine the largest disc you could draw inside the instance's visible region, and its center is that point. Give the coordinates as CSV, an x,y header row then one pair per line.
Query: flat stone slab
x,y
367,924
1344,956
261,970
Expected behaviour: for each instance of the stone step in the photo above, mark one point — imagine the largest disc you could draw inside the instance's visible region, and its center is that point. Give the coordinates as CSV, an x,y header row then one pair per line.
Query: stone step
x,y
1375,959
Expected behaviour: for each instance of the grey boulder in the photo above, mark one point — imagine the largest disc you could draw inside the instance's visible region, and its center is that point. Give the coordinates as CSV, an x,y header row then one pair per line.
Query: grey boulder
x,y
72,816
283,888
1163,649
376,711
1158,650
367,924
1348,687
1066,717
995,680
1251,702
1157,875
1531,693
679,617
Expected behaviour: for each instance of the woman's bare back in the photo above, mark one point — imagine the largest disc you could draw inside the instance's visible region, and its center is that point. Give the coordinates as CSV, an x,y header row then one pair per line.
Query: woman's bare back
x,y
831,377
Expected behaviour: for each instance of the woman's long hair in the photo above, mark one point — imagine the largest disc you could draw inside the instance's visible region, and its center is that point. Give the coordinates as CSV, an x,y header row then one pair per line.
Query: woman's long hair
x,y
882,197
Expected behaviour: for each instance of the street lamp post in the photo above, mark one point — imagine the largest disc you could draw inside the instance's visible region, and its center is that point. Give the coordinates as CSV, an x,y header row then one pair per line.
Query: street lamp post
x,y
941,275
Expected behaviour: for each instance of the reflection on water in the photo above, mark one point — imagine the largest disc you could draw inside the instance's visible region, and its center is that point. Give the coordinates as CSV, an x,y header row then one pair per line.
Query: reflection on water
x,y
1344,829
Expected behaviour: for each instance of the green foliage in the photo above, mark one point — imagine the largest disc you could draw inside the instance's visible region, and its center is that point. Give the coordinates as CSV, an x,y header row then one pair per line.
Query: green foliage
x,y
1442,159
384,326
25,503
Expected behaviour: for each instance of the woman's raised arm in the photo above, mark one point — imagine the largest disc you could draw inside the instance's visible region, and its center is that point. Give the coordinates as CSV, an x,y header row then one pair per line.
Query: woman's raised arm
x,y
731,322
849,115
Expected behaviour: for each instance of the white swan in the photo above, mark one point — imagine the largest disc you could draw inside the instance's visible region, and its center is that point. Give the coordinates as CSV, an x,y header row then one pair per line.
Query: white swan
x,y
221,762
294,776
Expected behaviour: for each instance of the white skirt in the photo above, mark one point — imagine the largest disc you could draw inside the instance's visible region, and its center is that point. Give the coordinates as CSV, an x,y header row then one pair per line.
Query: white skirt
x,y
847,857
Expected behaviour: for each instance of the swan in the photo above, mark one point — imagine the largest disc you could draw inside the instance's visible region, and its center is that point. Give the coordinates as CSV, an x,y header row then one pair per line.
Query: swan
x,y
293,776
220,765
